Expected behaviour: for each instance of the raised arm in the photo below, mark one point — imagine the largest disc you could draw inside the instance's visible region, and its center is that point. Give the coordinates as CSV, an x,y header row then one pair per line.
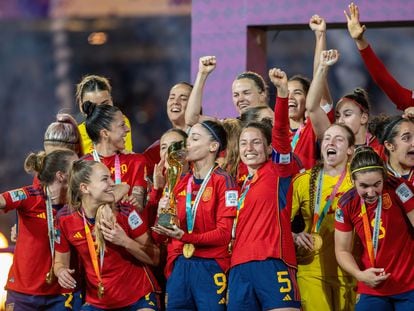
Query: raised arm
x,y
280,131
318,25
205,66
399,95
317,115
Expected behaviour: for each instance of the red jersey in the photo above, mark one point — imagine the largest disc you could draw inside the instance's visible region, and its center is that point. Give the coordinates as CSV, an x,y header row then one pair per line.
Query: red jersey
x,y
213,221
32,258
374,143
132,167
152,156
263,225
124,277
395,243
399,95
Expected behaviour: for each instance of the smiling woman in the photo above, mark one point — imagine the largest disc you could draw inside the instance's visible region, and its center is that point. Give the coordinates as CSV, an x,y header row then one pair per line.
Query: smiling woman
x,y
105,125
380,210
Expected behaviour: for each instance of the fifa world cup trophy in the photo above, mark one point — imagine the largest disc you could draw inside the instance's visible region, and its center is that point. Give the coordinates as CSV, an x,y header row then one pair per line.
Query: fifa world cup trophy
x,y
175,155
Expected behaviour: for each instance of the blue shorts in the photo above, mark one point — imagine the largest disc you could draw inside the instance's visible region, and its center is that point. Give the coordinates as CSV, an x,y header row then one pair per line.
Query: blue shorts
x,y
18,301
149,301
400,302
196,284
262,285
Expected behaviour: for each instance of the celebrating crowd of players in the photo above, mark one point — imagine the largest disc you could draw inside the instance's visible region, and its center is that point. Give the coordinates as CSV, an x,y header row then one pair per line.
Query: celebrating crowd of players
x,y
308,206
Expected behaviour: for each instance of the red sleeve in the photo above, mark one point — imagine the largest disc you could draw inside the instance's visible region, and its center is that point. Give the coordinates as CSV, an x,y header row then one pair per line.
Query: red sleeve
x,y
405,194
138,178
342,218
400,96
61,243
280,130
151,208
133,224
226,211
152,156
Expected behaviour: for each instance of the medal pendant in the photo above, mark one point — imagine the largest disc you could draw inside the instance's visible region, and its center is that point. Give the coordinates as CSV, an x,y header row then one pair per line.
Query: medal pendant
x,y
101,290
50,276
188,250
230,247
317,241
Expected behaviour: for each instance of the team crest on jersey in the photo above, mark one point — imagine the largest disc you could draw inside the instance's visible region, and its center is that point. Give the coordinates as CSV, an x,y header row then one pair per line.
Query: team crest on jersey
x,y
339,216
17,195
386,201
404,193
207,194
134,220
232,197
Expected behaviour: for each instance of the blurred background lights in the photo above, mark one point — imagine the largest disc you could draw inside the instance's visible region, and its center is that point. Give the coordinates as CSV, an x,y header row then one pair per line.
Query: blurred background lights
x,y
97,38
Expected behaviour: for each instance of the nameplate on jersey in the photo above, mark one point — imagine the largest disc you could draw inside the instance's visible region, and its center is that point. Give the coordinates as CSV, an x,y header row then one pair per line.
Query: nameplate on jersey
x,y
281,158
404,193
232,197
17,195
134,220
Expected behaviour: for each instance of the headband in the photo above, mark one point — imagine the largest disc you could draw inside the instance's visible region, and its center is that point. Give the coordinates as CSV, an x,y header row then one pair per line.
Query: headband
x,y
363,109
208,127
389,127
367,168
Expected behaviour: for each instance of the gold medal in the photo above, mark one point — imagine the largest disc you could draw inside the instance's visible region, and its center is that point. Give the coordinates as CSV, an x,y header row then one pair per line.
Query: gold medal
x,y
50,276
188,250
317,241
101,290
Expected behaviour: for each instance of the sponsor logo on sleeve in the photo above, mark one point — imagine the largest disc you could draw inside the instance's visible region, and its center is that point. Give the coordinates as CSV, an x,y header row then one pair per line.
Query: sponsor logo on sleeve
x,y
339,216
134,220
404,193
18,195
231,198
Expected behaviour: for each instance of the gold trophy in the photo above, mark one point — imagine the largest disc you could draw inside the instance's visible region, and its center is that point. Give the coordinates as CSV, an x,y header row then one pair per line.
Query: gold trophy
x,y
175,155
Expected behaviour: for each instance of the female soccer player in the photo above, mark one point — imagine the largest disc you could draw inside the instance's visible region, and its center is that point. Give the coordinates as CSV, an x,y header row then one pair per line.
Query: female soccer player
x,y
397,135
105,125
263,265
206,198
380,210
116,273
315,193
31,283
97,90
352,109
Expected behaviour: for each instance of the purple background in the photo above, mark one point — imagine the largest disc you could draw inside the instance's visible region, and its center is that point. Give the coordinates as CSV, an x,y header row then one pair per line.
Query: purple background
x,y
220,28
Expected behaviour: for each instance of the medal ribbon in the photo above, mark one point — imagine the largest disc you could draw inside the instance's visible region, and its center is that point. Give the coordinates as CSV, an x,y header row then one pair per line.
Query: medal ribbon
x,y
50,226
240,204
295,138
92,251
191,210
319,214
372,242
117,165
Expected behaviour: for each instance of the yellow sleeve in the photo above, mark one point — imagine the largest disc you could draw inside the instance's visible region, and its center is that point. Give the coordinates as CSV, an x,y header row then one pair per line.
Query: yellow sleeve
x,y
128,139
300,197
86,142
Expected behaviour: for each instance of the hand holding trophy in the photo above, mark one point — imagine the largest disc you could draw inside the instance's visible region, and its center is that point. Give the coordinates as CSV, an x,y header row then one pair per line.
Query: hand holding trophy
x,y
175,156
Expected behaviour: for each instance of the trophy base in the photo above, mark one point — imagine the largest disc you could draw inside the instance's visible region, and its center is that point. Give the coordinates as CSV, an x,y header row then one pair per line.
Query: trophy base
x,y
167,220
